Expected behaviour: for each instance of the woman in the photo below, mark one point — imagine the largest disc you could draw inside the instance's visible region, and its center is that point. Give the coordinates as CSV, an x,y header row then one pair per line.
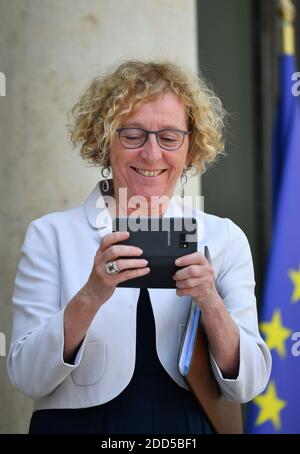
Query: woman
x,y
101,359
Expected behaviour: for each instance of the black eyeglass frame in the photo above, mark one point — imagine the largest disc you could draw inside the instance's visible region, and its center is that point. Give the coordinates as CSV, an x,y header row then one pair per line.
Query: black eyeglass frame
x,y
147,132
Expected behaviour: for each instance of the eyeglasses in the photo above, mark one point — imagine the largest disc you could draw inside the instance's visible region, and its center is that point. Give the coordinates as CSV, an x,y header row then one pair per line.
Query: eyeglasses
x,y
169,139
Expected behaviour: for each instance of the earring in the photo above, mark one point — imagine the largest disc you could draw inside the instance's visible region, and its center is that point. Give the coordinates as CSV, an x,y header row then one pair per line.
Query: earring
x,y
183,181
105,172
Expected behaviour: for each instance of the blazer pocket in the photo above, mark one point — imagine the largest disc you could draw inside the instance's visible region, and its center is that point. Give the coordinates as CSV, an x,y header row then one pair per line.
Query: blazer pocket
x,y
92,365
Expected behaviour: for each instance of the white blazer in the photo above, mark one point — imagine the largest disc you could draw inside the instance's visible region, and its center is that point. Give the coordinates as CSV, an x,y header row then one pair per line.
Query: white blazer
x,y
56,260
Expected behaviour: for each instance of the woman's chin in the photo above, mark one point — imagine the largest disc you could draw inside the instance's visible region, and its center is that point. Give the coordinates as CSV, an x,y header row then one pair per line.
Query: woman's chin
x,y
147,193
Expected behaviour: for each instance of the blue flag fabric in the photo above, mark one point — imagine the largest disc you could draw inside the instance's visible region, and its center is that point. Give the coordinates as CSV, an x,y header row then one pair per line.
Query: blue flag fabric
x,y
276,410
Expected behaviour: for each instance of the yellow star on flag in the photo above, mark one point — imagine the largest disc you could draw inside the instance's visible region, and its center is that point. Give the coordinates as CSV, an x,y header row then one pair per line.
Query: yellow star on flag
x,y
275,333
270,407
295,278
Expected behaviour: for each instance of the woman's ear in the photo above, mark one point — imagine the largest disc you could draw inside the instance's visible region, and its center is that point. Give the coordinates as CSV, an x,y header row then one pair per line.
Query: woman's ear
x,y
188,163
189,159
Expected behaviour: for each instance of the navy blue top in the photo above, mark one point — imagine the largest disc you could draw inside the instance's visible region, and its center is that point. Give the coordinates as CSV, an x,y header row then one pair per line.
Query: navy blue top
x,y
152,403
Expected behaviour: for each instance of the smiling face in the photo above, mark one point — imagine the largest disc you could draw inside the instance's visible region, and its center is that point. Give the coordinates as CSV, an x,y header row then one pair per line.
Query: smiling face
x,y
150,170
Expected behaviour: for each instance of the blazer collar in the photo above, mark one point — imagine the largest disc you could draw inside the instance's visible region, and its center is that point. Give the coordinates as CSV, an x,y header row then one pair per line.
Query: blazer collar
x,y
100,219
96,211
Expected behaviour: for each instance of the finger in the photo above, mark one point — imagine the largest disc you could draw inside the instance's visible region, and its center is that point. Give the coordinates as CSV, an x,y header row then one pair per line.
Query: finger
x,y
190,283
191,259
185,292
131,263
190,271
204,292
132,274
119,250
112,238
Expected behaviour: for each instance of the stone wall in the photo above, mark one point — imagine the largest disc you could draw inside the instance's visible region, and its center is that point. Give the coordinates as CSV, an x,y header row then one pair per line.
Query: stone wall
x,y
49,50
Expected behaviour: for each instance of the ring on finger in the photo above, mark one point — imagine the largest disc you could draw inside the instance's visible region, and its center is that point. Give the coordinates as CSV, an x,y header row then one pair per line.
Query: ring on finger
x,y
112,267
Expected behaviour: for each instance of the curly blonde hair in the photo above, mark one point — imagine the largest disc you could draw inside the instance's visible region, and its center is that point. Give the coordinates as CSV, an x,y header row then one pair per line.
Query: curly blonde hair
x,y
112,97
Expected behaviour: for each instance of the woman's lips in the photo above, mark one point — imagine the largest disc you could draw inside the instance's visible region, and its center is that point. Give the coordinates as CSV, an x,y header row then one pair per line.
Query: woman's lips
x,y
148,172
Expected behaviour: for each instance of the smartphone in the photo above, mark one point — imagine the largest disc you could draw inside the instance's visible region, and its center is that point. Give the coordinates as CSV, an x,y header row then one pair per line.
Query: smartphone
x,y
162,240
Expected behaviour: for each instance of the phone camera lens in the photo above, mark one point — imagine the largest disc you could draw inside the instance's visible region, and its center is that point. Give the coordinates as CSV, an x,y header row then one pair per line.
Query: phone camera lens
x,y
182,241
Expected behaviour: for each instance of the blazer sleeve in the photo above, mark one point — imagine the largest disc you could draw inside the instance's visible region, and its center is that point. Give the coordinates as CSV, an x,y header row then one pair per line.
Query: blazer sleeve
x,y
235,284
35,361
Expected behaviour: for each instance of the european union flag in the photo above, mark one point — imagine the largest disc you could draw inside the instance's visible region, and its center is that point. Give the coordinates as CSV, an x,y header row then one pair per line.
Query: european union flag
x,y
277,409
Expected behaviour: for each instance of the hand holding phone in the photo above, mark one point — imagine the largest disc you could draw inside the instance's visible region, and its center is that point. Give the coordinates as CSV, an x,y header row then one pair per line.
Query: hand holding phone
x,y
162,240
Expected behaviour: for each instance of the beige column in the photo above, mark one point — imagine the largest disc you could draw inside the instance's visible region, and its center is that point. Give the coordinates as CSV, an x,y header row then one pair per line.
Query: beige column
x,y
49,50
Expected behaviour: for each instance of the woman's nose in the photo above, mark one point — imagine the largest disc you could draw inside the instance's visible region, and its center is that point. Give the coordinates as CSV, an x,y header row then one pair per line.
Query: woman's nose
x,y
151,150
